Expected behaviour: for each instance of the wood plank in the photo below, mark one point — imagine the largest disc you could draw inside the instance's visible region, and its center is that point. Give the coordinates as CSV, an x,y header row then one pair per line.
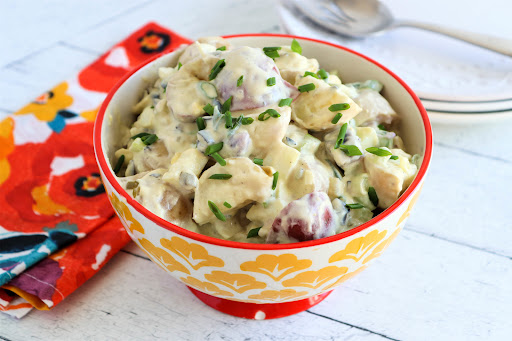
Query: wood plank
x,y
466,199
131,299
424,288
29,27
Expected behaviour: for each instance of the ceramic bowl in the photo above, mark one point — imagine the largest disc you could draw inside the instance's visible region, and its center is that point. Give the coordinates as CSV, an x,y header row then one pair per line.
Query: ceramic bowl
x,y
263,281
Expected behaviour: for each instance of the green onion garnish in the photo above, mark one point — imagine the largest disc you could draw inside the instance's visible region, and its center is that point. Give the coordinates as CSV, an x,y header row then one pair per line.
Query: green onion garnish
x,y
216,211
271,81
120,162
381,127
272,54
271,48
227,204
150,139
229,119
240,80
200,123
254,232
257,161
247,120
213,148
307,87
309,73
179,65
285,102
378,151
373,196
227,105
350,150
296,47
393,157
222,48
219,159
220,176
274,180
339,106
341,136
208,109
270,112
165,90
216,69
354,206
322,74
336,118
141,135
152,107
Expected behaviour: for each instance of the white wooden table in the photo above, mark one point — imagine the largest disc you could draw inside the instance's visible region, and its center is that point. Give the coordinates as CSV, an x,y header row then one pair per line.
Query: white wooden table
x,y
448,276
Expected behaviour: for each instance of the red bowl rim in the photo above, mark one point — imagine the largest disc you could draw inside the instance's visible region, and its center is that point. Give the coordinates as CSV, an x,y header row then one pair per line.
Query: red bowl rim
x,y
98,149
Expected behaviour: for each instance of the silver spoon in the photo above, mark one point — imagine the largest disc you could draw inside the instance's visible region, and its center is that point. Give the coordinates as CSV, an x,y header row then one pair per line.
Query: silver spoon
x,y
363,18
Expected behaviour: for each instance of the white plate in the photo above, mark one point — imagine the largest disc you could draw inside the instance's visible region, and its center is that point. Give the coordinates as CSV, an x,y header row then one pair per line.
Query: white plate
x,y
452,78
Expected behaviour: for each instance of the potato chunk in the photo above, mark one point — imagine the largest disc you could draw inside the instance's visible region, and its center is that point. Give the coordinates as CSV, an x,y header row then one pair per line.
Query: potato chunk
x,y
249,183
311,109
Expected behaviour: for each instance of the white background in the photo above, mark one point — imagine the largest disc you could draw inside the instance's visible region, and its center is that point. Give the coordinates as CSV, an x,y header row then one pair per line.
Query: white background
x,y
447,276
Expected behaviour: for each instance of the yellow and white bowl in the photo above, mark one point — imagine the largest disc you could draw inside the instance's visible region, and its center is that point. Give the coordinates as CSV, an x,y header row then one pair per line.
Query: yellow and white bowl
x,y
263,280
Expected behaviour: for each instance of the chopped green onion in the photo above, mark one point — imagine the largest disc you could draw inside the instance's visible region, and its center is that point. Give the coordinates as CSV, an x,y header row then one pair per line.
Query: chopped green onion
x,y
354,206
336,118
275,176
179,65
219,159
341,136
381,127
220,176
296,47
285,102
150,139
393,157
213,148
132,184
270,112
141,135
254,232
339,106
208,109
229,119
119,164
237,121
350,150
227,204
271,48
152,107
165,90
257,161
309,73
307,87
272,54
322,74
378,151
227,105
216,69
271,81
216,211
240,80
222,48
200,123
373,196
247,120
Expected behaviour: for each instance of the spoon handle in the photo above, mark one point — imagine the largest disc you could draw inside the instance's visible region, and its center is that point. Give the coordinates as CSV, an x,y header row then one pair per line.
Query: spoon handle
x,y
500,45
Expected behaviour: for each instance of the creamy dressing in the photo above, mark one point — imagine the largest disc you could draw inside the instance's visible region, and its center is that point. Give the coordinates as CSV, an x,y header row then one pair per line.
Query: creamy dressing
x,y
259,171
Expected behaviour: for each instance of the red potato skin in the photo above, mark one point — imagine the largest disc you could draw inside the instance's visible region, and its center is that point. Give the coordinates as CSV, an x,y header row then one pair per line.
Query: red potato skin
x,y
308,218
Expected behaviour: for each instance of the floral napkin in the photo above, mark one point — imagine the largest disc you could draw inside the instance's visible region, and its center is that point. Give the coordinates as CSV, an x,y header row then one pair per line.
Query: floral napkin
x,y
57,227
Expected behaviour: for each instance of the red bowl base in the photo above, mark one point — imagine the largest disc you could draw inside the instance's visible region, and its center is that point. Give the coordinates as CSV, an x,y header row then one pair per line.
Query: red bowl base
x,y
255,311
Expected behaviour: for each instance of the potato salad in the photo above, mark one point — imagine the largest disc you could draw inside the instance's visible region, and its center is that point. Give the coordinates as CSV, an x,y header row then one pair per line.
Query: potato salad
x,y
262,145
